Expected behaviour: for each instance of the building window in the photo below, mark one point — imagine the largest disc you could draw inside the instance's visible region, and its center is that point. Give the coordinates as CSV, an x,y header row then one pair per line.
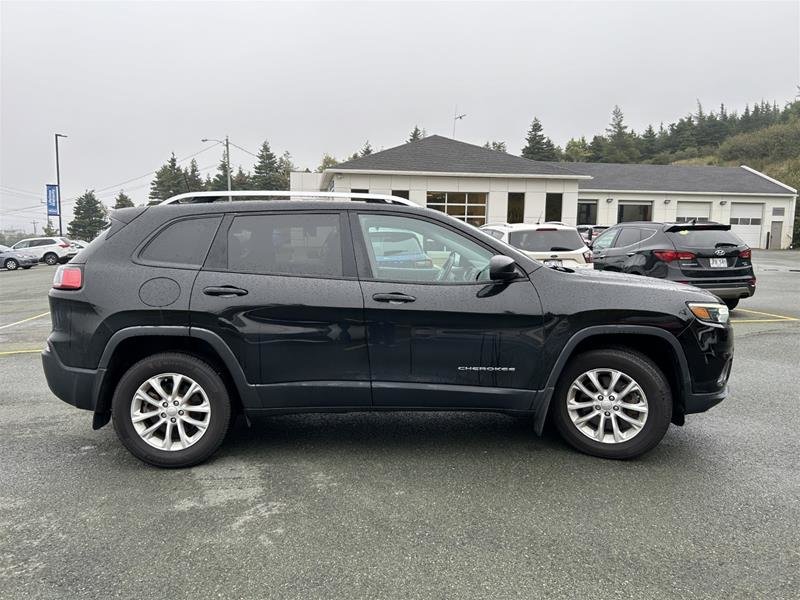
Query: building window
x,y
467,206
400,193
552,207
516,207
634,211
587,212
358,191
687,219
778,211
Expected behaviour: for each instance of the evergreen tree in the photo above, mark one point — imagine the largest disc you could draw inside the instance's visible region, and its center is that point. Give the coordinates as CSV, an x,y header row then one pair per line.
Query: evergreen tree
x,y
597,148
366,150
649,143
416,134
498,146
327,162
220,181
49,229
577,150
621,144
266,173
353,156
89,218
241,180
122,200
192,179
168,181
539,147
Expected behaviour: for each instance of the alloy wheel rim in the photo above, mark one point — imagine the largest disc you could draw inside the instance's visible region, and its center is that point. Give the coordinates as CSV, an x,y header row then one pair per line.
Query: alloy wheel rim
x,y
607,406
51,260
11,265
170,411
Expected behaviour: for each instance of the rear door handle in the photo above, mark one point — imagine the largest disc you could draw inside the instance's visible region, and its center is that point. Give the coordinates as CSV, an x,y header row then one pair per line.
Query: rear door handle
x,y
224,291
631,253
393,298
600,256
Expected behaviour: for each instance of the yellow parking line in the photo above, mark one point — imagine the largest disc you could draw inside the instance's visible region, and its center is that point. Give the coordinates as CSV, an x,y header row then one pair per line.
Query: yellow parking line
x,y
25,320
12,352
778,317
761,320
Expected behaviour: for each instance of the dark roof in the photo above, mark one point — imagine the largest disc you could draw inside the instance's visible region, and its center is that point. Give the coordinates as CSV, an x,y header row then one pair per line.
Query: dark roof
x,y
443,155
673,178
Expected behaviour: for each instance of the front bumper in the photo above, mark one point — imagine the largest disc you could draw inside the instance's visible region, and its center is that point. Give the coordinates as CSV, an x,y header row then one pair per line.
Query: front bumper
x,y
78,387
697,403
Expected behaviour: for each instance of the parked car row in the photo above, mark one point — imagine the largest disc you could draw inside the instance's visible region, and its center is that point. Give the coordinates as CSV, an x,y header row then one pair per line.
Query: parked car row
x,y
706,255
31,251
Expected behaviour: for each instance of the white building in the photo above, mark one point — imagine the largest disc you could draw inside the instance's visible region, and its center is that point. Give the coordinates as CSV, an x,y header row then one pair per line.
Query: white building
x,y
479,185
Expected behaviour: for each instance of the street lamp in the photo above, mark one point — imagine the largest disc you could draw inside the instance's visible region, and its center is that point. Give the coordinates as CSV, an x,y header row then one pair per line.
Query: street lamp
x,y
227,159
58,184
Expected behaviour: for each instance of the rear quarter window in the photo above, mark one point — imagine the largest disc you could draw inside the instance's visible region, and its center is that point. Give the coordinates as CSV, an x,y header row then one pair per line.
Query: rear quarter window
x,y
183,243
546,240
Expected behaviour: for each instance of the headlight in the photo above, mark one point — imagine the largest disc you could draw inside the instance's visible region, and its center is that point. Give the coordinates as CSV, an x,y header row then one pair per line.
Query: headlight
x,y
709,312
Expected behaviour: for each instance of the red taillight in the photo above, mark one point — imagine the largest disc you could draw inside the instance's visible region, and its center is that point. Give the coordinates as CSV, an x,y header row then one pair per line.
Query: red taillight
x,y
587,256
670,255
63,245
745,253
68,278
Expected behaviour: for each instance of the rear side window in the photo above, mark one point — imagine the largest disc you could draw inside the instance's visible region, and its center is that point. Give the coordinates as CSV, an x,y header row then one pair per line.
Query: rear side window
x,y
694,238
290,244
183,243
494,233
546,240
628,236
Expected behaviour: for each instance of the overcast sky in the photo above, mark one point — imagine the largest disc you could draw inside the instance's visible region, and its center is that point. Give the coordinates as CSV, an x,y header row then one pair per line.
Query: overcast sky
x,y
131,82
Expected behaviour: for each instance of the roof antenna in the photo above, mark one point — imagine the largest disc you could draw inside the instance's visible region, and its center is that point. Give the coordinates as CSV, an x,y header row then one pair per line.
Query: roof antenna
x,y
456,117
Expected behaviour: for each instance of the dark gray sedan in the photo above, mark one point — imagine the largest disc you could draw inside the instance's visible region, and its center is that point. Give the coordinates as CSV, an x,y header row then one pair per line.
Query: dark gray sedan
x,y
14,259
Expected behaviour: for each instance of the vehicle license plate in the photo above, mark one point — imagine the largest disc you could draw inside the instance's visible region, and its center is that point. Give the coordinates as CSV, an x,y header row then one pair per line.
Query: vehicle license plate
x,y
552,263
717,263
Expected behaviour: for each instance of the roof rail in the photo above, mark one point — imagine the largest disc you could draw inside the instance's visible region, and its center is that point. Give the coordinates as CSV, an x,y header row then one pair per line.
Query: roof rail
x,y
200,197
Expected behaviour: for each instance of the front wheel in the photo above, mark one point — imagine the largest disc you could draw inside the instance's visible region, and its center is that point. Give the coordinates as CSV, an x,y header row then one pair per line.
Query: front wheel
x,y
731,304
11,264
612,403
171,410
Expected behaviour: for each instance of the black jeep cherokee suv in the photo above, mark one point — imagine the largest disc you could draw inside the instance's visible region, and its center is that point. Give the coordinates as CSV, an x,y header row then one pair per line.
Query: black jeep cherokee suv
x,y
180,315
705,255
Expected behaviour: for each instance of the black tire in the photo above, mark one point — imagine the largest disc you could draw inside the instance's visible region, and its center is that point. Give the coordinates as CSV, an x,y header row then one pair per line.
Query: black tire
x,y
635,365
50,258
184,364
731,304
11,264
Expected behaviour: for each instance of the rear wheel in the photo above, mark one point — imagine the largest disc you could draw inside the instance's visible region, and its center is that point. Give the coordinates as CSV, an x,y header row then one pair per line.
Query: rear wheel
x,y
612,403
731,304
11,264
171,410
50,258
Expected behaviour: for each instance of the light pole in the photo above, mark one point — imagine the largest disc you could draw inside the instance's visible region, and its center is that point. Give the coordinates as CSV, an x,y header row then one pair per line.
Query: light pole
x,y
58,184
227,159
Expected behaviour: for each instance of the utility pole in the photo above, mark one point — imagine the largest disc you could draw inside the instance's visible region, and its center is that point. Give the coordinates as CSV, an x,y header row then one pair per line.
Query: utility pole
x,y
58,186
228,161
34,228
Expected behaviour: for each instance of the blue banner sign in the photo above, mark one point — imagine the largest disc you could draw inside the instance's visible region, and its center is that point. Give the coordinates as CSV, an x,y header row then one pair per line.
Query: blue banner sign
x,y
52,200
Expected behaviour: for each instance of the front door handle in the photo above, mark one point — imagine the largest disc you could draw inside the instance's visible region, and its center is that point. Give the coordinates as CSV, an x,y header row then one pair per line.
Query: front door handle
x,y
631,254
393,298
600,256
224,291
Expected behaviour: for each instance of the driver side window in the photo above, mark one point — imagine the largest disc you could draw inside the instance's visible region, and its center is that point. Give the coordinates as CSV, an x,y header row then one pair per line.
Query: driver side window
x,y
409,249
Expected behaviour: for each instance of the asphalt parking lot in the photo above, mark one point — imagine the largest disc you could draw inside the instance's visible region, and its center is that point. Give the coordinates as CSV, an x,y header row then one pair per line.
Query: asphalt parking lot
x,y
405,505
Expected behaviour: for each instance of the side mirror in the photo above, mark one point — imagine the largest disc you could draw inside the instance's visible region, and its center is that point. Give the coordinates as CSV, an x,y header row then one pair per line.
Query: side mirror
x,y
590,243
502,268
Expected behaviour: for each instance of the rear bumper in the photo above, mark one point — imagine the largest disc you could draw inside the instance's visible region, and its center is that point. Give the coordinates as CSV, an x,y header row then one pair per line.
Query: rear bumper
x,y
78,387
728,291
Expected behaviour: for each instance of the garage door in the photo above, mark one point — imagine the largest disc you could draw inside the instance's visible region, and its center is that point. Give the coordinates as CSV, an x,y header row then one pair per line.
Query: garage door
x,y
746,222
693,210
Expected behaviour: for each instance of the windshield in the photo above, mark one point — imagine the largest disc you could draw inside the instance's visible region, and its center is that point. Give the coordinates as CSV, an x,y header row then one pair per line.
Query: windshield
x,y
546,240
699,238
